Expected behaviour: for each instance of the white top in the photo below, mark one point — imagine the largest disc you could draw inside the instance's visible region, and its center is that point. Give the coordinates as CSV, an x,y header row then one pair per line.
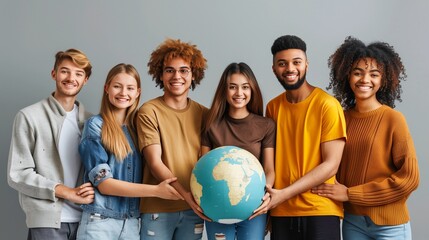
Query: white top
x,y
70,159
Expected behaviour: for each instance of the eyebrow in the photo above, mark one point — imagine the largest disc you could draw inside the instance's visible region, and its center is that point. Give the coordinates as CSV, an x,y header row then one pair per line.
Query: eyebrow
x,y
361,69
293,59
236,84
182,67
66,68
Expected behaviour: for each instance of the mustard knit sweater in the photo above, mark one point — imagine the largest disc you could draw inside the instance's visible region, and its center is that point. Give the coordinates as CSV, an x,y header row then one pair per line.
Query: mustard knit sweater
x,y
379,165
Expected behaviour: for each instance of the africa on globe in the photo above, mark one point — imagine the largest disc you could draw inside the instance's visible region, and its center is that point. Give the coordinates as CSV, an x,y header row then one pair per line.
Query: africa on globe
x,y
228,184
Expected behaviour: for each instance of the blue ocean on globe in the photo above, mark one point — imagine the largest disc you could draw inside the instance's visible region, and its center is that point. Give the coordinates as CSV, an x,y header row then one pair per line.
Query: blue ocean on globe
x,y
228,183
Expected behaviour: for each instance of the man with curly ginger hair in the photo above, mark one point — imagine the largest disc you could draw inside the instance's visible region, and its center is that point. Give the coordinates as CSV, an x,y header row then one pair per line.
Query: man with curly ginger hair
x,y
169,129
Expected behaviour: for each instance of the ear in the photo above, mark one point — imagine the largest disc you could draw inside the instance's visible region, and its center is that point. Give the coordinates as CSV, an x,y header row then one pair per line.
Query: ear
x,y
54,74
85,81
138,92
106,87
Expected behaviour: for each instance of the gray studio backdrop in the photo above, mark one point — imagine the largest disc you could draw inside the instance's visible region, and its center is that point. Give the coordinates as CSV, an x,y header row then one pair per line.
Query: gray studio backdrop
x,y
226,31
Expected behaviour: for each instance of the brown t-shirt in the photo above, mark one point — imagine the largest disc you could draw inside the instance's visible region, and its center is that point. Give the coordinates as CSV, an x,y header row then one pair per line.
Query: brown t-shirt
x,y
178,132
252,133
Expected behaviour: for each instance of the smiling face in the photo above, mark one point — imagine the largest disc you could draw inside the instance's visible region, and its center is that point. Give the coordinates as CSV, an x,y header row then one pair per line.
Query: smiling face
x,y
365,79
238,92
69,79
122,91
290,68
177,78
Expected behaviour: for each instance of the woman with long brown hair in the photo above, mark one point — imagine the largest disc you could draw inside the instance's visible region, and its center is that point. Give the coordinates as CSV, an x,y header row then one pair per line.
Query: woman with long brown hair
x,y
236,119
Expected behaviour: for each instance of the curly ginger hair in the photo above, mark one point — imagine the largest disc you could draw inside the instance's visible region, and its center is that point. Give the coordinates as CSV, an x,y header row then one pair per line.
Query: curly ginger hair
x,y
171,49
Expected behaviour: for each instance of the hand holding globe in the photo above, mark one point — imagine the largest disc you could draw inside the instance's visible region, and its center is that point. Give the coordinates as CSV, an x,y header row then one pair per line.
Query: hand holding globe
x,y
228,183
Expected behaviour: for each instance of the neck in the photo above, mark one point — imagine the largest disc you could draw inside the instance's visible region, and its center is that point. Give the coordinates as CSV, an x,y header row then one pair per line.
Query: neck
x,y
120,116
300,94
178,103
66,102
238,113
366,106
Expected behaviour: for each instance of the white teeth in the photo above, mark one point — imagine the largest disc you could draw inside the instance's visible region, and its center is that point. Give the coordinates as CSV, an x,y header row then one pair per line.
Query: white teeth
x,y
239,100
69,85
291,77
364,87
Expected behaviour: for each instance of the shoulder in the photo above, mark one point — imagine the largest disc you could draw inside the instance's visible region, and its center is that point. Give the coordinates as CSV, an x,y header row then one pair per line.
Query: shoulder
x,y
95,120
35,107
198,106
93,125
394,116
260,123
326,101
392,112
276,100
262,119
150,105
34,111
324,96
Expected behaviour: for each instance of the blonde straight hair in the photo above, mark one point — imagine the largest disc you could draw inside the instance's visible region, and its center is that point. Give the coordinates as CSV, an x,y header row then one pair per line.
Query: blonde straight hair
x,y
112,136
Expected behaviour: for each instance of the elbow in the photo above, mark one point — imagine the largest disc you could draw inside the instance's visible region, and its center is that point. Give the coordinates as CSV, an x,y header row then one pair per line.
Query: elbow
x,y
332,171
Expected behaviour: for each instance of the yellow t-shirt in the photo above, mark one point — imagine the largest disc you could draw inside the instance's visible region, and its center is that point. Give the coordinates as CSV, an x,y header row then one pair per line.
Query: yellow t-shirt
x,y
301,128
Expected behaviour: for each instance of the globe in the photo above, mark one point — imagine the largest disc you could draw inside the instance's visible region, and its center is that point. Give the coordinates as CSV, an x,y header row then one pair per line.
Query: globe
x,y
228,183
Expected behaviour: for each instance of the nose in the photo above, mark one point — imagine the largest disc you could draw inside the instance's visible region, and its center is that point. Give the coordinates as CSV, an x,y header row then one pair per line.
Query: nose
x,y
69,76
177,74
289,67
366,78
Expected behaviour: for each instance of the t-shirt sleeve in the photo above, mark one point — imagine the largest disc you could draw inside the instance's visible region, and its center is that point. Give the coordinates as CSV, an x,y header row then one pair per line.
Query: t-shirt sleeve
x,y
333,122
147,127
270,138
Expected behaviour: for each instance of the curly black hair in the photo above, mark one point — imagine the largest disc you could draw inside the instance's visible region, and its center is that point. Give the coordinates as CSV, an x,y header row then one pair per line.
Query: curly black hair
x,y
353,50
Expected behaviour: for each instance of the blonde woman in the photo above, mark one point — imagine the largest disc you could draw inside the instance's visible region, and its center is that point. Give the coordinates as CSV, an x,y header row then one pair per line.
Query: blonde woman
x,y
113,164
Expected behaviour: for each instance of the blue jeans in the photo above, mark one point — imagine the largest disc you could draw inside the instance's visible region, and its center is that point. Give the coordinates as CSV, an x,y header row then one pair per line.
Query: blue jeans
x,y
245,230
93,226
180,225
362,227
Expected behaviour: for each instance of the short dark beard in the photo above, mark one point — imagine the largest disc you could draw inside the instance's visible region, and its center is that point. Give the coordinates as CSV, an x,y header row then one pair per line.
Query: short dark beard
x,y
294,86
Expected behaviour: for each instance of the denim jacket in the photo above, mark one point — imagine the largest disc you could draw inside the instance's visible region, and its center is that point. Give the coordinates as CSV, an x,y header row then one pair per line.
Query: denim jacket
x,y
100,165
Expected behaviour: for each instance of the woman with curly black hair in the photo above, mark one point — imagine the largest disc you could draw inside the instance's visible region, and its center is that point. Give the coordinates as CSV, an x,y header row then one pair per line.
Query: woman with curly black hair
x,y
379,167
